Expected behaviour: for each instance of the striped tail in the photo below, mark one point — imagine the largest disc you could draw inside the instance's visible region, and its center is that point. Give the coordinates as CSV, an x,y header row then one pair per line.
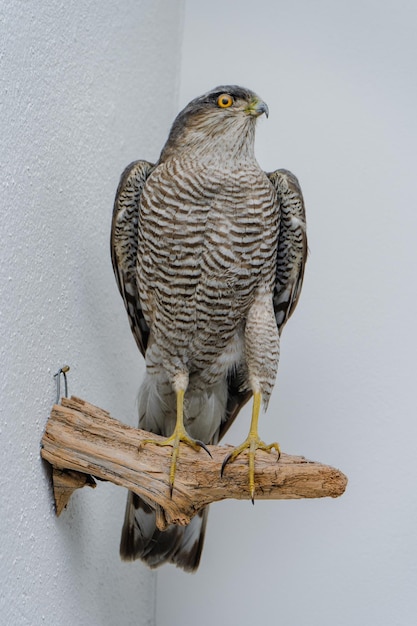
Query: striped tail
x,y
141,539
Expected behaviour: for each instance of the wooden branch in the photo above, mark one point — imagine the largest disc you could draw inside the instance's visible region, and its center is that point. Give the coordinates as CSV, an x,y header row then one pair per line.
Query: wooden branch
x,y
82,440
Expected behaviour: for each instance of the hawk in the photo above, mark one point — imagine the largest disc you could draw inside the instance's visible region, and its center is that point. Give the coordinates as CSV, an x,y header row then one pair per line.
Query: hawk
x,y
208,253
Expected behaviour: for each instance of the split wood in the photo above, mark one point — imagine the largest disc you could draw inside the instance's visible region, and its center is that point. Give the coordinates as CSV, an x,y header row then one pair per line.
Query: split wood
x,y
82,441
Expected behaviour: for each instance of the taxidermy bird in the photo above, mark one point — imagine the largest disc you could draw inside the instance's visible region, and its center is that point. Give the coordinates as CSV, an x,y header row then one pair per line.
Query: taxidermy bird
x,y
208,253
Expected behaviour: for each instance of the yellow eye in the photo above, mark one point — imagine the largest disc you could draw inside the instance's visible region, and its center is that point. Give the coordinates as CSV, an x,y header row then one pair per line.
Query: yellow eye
x,y
224,101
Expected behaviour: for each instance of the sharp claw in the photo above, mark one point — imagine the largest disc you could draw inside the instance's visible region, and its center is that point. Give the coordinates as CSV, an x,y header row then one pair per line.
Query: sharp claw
x,y
171,489
203,445
225,462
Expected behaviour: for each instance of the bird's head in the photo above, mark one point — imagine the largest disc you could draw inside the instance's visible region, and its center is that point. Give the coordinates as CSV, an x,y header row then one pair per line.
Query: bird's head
x,y
221,121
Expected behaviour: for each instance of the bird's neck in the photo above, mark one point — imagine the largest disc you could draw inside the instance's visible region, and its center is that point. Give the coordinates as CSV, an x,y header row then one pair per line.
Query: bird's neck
x,y
230,144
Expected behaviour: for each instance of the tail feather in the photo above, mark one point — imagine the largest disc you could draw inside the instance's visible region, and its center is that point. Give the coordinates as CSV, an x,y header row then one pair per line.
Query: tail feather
x,y
204,410
141,539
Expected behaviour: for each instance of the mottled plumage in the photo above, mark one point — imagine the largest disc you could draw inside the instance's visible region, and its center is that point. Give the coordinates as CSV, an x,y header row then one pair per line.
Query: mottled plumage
x,y
208,253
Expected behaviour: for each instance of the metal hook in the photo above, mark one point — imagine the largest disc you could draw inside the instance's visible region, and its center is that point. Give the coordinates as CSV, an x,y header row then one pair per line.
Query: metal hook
x,y
63,370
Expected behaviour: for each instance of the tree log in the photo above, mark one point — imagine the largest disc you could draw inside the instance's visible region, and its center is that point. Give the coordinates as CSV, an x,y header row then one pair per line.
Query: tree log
x,y
82,440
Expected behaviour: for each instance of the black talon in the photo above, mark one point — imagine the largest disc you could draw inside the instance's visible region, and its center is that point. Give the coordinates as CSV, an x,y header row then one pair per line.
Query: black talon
x,y
225,462
203,445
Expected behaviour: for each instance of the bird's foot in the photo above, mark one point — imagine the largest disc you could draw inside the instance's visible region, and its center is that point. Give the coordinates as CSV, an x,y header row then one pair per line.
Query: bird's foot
x,y
178,436
252,443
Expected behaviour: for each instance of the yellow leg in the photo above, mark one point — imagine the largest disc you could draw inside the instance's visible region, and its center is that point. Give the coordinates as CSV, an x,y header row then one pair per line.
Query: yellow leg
x,y
179,435
252,443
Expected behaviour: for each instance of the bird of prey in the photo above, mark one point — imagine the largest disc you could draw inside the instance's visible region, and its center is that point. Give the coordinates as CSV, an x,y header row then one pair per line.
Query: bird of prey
x,y
208,253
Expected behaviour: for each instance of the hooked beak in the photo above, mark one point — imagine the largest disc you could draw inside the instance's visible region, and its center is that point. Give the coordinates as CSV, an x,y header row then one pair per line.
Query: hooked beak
x,y
257,107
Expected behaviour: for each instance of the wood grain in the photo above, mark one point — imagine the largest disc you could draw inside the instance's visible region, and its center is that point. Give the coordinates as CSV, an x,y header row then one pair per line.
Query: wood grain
x,y
82,441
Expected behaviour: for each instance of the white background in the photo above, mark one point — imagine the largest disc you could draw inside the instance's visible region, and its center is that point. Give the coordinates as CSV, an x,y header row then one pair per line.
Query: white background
x,y
86,87
340,80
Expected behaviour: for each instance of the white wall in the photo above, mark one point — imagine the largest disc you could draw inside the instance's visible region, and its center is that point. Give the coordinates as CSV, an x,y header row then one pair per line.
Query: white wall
x,y
340,82
86,88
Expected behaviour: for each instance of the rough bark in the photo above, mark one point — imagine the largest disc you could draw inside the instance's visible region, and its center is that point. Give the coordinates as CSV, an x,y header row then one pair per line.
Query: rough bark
x,y
82,441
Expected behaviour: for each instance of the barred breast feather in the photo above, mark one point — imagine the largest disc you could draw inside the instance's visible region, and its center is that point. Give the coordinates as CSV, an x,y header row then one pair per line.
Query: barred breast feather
x,y
207,238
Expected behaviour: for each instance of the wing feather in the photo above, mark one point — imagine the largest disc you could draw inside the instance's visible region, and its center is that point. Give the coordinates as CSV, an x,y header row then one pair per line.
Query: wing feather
x,y
292,245
123,244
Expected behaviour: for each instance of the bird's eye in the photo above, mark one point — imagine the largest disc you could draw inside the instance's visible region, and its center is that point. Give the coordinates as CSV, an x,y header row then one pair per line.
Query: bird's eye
x,y
224,101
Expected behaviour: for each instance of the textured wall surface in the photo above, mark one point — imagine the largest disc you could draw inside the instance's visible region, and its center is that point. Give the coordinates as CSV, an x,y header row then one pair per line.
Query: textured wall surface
x,y
86,87
340,82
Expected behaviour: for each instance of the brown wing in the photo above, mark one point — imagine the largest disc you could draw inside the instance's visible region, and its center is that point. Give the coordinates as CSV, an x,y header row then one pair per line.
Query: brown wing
x,y
291,259
292,245
123,245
